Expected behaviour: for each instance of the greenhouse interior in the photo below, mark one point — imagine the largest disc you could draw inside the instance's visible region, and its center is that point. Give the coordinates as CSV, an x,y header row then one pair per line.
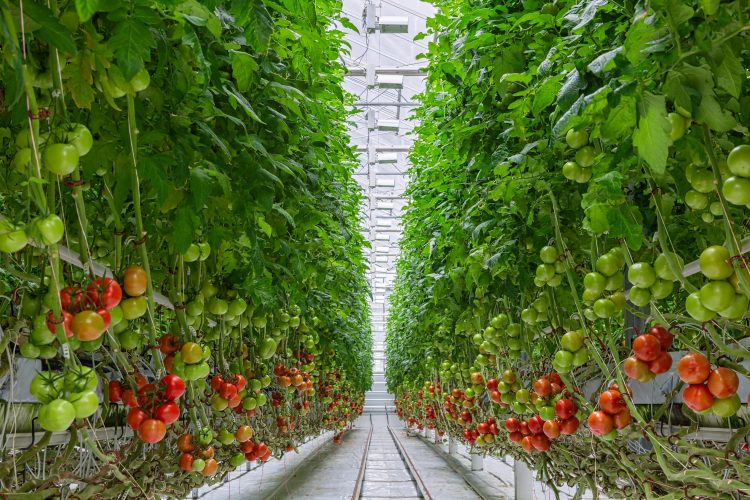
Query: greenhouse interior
x,y
344,249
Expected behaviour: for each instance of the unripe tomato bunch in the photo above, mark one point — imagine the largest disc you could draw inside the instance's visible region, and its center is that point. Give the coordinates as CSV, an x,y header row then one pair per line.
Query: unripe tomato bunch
x,y
653,282
723,294
550,272
579,169
613,416
153,407
65,396
602,292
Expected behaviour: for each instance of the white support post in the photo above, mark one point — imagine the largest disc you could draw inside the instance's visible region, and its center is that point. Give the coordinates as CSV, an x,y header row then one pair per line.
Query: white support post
x,y
477,462
452,446
524,481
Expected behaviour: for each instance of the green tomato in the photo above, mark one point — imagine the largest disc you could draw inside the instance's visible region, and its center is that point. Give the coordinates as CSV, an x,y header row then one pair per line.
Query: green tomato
x,y
81,378
518,408
12,238
60,159
49,351
702,180
662,269
57,415
707,217
661,289
92,345
85,403
607,264
604,308
737,309
547,413
615,282
642,275
192,254
589,314
49,230
262,399
696,309
268,348
205,250
237,307
714,263
40,334
198,464
580,357
500,321
249,403
529,316
738,160
545,272
585,156
726,407
716,209
208,290
696,200
577,138
584,175
572,341
548,254
513,343
46,386
709,7
571,170
115,316
618,298
129,340
564,358
204,436
134,307
522,395
640,296
80,138
717,295
22,161
737,190
225,437
217,306
140,80
678,124
596,282
237,460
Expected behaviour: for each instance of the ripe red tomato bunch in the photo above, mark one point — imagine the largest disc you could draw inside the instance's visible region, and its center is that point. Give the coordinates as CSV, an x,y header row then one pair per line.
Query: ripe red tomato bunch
x,y
153,407
614,414
255,451
708,390
229,392
488,431
86,312
293,378
650,355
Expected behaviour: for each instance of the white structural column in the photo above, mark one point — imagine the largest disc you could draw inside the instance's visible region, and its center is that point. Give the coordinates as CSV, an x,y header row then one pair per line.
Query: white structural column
x,y
523,481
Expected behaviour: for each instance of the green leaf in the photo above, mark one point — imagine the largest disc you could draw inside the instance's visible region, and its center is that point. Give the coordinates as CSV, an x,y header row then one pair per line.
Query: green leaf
x,y
86,9
184,228
545,95
51,30
201,184
79,80
652,137
583,12
131,42
263,225
728,70
711,112
639,41
604,62
244,68
256,18
679,11
243,102
571,89
621,119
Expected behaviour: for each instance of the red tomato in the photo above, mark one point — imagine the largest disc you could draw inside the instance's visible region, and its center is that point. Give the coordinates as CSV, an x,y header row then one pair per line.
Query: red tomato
x,y
251,456
495,396
483,428
135,281
129,399
600,423
169,343
152,430
72,299
216,382
243,433
173,386
210,469
723,382
693,368
227,391
526,444
512,424
661,364
114,391
536,424
185,443
622,419
492,384
540,442
247,446
551,429
646,347
261,449
168,412
516,437
661,333
569,426
104,292
697,397
524,429
186,462
239,381
543,387
135,418
67,322
554,378
140,380
612,402
565,408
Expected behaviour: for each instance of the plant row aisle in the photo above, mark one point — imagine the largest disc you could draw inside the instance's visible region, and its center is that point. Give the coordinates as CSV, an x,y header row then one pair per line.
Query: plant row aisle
x,y
180,252
572,290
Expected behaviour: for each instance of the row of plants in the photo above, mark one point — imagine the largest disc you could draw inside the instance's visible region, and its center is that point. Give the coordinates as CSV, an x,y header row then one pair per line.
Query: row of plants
x,y
572,289
180,245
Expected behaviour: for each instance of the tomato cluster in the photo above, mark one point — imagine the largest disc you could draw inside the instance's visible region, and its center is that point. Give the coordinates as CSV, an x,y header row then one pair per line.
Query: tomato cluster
x,y
709,390
613,416
65,396
229,393
153,407
651,356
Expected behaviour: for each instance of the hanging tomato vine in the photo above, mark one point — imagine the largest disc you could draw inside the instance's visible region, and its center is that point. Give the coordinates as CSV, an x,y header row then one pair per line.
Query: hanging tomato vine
x,y
179,241
572,158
